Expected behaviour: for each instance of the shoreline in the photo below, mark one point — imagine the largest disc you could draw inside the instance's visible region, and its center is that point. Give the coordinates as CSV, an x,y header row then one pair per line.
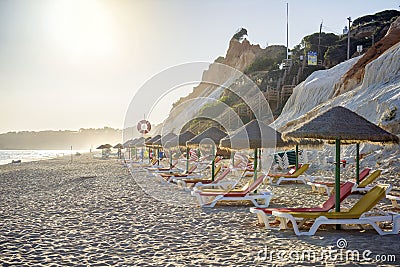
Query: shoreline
x,y
53,153
92,211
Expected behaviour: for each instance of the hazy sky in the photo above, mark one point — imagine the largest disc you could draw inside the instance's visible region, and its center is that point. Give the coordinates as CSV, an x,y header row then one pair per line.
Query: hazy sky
x,y
68,64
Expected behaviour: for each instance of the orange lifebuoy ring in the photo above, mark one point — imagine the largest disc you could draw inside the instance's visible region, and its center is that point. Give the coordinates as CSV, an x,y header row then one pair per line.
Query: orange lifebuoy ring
x,y
144,126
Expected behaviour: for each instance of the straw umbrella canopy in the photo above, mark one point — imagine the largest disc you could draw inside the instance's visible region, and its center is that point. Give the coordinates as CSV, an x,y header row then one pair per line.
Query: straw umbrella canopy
x,y
337,124
257,134
184,137
119,145
213,133
253,135
152,140
180,140
105,146
128,143
138,142
149,143
164,140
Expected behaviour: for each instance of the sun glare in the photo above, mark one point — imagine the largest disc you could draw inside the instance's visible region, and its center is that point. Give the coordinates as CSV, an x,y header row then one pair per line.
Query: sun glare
x,y
80,28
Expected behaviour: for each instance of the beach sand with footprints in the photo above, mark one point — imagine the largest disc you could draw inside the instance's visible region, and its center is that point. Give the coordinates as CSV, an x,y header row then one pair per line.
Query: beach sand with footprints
x,y
92,212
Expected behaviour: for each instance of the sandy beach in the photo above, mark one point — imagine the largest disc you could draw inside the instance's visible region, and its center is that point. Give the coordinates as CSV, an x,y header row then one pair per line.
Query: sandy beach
x,y
93,213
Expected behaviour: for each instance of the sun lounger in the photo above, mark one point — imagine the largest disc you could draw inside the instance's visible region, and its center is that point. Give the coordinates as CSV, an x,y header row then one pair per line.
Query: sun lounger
x,y
262,213
168,177
153,164
327,187
364,185
164,169
359,214
142,166
297,176
209,197
222,185
188,183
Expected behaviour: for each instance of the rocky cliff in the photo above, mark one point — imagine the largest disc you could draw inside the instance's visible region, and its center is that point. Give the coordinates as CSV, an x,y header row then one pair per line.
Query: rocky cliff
x,y
238,56
354,76
376,96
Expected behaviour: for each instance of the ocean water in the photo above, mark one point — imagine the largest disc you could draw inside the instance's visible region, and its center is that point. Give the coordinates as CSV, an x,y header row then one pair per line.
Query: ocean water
x,y
7,156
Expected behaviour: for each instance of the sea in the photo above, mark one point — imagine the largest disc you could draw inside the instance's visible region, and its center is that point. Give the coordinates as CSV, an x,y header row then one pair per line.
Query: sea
x,y
7,156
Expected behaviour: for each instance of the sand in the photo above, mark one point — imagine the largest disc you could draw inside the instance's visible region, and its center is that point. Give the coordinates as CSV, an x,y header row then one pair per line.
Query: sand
x,y
93,213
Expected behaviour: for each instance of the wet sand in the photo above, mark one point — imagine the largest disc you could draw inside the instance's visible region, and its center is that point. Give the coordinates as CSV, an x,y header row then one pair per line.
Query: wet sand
x,y
92,212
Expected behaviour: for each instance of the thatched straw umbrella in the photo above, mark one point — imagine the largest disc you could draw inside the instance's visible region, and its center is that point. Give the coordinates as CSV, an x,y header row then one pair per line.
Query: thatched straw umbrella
x,y
104,148
215,135
180,141
165,138
138,142
152,140
149,143
119,146
253,135
257,134
161,141
337,124
128,145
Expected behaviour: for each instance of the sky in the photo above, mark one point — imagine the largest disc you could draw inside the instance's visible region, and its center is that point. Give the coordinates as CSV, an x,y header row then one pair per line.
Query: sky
x,y
70,64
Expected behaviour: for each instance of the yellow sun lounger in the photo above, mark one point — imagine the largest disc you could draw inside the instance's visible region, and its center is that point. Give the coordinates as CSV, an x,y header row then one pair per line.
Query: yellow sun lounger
x,y
364,185
358,214
298,175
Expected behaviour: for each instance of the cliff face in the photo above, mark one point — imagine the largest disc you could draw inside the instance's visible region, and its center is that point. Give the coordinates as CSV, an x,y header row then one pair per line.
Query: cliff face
x,y
355,75
365,31
239,56
377,98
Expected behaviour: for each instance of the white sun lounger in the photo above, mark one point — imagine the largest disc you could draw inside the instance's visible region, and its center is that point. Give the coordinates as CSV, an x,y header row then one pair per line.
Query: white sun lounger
x,y
209,198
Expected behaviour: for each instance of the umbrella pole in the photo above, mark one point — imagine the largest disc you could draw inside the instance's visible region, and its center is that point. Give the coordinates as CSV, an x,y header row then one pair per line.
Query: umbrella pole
x,y
358,163
233,159
297,157
149,155
170,159
337,179
158,156
255,163
187,159
213,163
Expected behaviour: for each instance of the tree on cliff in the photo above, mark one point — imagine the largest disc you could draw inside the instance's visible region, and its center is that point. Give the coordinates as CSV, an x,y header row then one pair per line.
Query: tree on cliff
x,y
239,34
